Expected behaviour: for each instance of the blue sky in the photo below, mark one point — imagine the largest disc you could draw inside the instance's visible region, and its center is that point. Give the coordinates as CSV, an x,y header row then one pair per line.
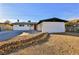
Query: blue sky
x,y
38,11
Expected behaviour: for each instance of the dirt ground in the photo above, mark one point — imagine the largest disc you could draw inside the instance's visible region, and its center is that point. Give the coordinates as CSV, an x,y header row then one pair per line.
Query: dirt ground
x,y
56,45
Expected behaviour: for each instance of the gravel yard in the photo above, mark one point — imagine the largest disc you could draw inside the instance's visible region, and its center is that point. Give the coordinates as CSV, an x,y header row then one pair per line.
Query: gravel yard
x,y
58,44
22,41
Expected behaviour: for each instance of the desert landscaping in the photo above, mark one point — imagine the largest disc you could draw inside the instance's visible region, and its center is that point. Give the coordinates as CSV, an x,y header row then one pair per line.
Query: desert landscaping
x,y
51,36
54,44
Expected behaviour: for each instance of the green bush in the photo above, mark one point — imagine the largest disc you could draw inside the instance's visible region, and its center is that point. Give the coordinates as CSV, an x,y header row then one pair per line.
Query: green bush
x,y
77,29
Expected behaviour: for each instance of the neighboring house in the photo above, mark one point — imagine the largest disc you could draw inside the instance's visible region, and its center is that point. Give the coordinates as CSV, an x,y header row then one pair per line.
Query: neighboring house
x,y
52,25
5,27
24,26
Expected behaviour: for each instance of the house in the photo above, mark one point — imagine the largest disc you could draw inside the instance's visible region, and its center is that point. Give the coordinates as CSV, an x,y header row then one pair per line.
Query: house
x,y
52,25
24,26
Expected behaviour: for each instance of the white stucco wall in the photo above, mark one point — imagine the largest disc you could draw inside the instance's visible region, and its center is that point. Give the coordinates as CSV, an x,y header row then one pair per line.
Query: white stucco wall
x,y
17,27
53,27
39,27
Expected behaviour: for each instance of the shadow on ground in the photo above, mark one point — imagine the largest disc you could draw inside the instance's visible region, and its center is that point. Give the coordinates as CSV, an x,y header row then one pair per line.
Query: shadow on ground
x,y
68,34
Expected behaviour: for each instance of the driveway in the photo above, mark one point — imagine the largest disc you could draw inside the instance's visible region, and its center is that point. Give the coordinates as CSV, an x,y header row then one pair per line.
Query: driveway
x,y
4,35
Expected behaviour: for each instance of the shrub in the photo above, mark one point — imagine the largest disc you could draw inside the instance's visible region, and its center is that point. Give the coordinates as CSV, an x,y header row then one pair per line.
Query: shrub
x,y
77,29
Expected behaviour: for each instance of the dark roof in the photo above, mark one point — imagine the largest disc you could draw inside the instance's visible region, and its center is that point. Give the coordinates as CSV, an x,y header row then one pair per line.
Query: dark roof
x,y
23,23
52,20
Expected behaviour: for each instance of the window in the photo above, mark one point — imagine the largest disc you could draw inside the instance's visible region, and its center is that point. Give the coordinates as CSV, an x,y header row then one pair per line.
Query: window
x,y
21,25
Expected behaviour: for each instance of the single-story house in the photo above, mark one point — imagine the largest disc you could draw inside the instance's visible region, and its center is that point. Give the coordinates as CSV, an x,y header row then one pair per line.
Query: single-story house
x,y
52,25
24,26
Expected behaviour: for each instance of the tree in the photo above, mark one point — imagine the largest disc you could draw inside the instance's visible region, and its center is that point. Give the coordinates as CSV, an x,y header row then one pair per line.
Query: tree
x,y
7,22
72,22
69,24
29,21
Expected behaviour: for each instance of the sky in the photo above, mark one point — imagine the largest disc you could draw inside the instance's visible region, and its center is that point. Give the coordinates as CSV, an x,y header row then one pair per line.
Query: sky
x,y
38,11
